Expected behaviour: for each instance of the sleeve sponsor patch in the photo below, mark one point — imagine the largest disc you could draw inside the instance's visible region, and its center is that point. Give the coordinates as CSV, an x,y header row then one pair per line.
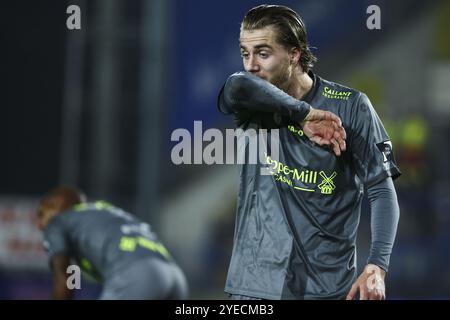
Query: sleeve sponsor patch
x,y
385,148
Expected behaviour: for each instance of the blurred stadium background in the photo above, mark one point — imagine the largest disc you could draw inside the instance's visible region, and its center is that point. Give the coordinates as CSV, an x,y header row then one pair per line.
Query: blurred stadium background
x,y
96,108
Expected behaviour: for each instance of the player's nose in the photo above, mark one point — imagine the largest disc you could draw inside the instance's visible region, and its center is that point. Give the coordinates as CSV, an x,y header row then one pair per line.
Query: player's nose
x,y
252,65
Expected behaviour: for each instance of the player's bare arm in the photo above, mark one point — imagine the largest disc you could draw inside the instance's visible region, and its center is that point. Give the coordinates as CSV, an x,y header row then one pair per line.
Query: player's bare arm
x,y
60,263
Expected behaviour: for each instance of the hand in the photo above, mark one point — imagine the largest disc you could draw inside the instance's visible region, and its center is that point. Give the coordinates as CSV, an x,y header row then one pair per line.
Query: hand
x,y
325,128
370,284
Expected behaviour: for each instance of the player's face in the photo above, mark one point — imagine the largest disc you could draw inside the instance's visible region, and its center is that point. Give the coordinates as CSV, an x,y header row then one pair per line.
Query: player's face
x,y
264,57
42,219
44,214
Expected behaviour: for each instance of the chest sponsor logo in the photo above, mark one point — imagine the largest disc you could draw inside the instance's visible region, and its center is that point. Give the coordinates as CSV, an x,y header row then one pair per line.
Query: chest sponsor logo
x,y
336,94
302,179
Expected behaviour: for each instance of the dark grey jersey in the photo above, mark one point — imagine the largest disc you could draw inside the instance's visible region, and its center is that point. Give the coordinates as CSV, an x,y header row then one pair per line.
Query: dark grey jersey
x,y
101,238
296,227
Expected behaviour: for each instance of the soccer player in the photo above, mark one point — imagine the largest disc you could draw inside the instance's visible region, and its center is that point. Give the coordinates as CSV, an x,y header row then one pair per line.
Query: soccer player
x,y
110,245
295,233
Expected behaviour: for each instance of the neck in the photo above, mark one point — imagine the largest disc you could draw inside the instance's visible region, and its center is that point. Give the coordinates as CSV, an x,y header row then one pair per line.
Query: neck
x,y
300,85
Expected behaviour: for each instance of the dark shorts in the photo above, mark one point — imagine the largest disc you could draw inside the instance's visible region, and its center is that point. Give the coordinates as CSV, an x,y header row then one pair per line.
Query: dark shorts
x,y
147,279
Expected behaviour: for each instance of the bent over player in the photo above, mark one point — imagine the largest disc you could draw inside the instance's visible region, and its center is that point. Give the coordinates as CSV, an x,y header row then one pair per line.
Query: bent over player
x,y
110,245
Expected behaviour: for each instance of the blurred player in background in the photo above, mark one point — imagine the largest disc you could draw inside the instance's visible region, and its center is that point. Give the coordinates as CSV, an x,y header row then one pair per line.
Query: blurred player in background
x,y
110,245
295,234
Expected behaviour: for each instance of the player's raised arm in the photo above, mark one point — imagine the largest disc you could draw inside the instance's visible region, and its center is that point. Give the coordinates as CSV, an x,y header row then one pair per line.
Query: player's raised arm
x,y
245,91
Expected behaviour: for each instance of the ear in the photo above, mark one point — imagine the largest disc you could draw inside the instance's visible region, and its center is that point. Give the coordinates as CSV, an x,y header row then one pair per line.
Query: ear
x,y
295,56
